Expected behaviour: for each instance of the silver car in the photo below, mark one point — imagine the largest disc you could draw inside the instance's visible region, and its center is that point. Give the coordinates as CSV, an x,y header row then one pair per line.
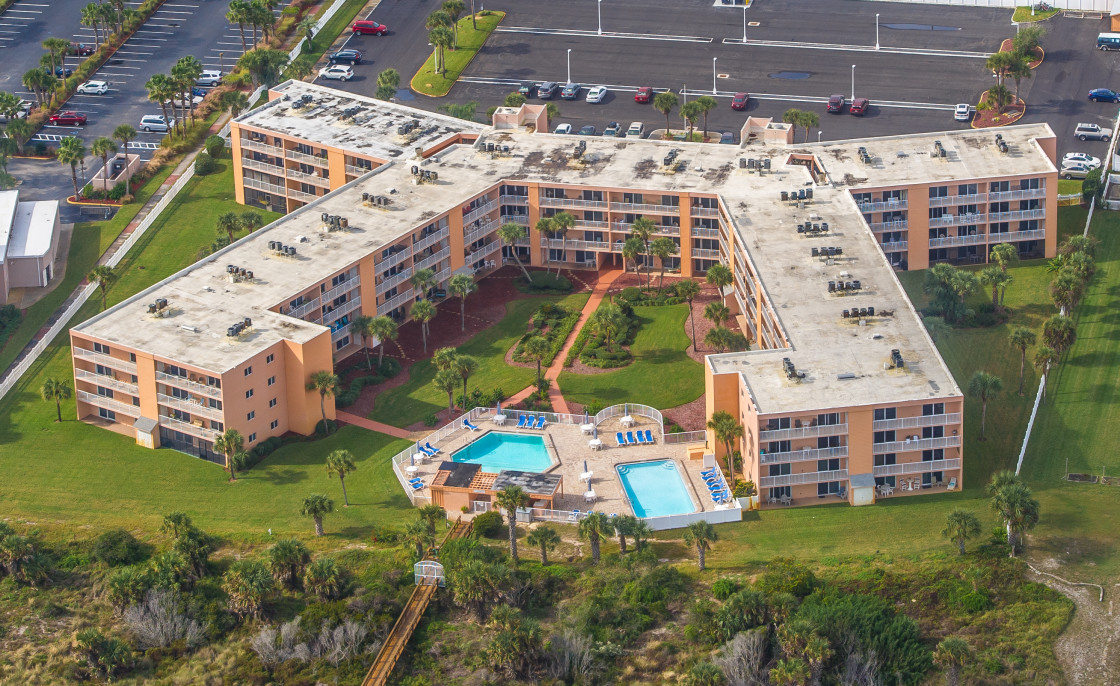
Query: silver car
x,y
155,122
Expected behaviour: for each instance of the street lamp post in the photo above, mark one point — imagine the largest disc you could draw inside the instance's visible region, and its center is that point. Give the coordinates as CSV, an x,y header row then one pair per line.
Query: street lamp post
x,y
853,82
569,65
876,30
714,75
819,132
745,22
222,62
600,6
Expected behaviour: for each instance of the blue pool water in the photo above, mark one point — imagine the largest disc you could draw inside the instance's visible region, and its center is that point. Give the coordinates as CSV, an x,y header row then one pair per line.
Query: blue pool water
x,y
497,451
655,489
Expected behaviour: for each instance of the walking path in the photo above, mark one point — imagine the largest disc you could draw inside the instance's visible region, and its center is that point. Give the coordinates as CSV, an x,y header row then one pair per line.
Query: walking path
x,y
347,418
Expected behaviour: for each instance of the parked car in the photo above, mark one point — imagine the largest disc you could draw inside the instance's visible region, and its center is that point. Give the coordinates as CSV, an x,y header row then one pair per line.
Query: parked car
x,y
94,88
613,129
1082,157
563,128
636,129
546,90
340,72
588,130
962,112
195,101
596,94
155,122
644,94
727,138
571,91
22,112
209,77
366,26
1104,95
82,49
62,73
859,106
528,88
1092,132
739,102
347,56
836,104
68,118
1075,170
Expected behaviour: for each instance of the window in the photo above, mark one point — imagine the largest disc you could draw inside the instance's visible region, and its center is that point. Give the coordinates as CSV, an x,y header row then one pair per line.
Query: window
x,y
591,195
829,419
933,431
935,454
106,414
780,492
884,437
938,191
671,200
780,469
252,415
967,189
999,186
832,465
1030,184
173,370
272,403
778,447
252,437
828,442
885,413
101,348
342,343
931,409
248,394
776,424
216,425
271,380
104,371
884,459
184,417
248,370
829,488
135,379
275,423
216,404
132,357
270,358
135,401
104,392
179,393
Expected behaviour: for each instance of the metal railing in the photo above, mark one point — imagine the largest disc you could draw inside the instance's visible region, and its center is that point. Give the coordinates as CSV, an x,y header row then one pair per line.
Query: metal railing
x,y
803,478
250,144
916,422
705,253
573,202
575,244
701,232
482,252
895,246
945,201
697,211
883,205
265,186
1017,215
192,386
106,381
803,455
297,194
590,224
303,309
357,171
917,467
489,226
344,309
1011,236
394,259
897,225
519,219
344,287
434,259
107,360
686,437
916,444
274,169
187,428
108,403
1021,194
394,280
974,239
480,211
395,302
430,239
803,432
192,406
644,207
957,219
304,157
310,178
513,199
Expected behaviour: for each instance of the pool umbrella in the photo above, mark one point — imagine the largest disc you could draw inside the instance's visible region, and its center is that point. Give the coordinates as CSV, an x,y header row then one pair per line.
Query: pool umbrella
x,y
499,408
586,419
585,466
412,460
595,432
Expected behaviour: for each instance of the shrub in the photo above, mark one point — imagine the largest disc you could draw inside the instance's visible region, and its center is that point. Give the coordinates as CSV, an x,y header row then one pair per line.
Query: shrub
x,y
544,282
118,191
117,547
724,588
157,622
10,318
479,398
214,146
203,164
430,419
975,601
630,294
787,576
488,523
594,407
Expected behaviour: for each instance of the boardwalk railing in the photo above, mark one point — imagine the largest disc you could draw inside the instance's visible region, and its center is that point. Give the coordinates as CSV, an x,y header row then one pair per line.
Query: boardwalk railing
x,y
687,437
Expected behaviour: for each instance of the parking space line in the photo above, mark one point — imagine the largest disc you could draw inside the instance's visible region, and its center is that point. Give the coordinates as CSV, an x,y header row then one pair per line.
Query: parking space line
x,y
126,59
926,52
166,33
820,100
605,34
131,52
238,44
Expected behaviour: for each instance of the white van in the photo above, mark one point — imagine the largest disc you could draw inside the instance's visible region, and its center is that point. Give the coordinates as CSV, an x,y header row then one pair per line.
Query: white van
x,y
155,122
636,129
210,77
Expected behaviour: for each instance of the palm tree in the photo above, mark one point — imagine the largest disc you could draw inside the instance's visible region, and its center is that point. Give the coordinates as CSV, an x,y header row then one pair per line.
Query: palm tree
x,y
792,671
700,534
509,499
419,536
664,103
444,358
307,26
235,101
341,462
251,220
662,248
1018,68
431,514
248,584
238,14
229,224
537,348
689,289
103,147
719,276
994,277
960,526
72,152
263,65
630,251
92,19
562,222
454,9
361,328
595,527
984,387
324,578
19,130
545,537
624,525
462,285
716,312
509,234
56,48
160,90
441,38
326,383
544,226
125,134
997,98
287,560
643,229
608,320
1059,332
706,103
1066,290
465,366
952,652
999,62
690,112
641,534
40,82
184,74
1016,505
105,276
1022,338
422,281
229,443
726,430
385,329
315,506
1004,254
423,312
447,381
55,390
1044,358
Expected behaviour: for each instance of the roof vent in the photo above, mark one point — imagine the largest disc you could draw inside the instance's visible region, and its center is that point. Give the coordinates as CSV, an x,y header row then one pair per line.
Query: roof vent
x,y
845,375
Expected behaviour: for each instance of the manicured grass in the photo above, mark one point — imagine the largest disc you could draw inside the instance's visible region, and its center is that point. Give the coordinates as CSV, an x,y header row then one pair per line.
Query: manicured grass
x,y
428,82
414,400
1069,186
662,374
1023,14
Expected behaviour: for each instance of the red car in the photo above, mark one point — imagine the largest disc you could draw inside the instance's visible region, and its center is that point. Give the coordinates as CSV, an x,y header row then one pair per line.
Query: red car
x,y
739,102
836,104
644,94
859,106
363,27
81,49
68,119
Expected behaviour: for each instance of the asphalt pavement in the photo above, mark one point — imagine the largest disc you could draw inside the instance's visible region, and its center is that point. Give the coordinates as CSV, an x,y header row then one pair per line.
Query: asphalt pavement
x,y
23,28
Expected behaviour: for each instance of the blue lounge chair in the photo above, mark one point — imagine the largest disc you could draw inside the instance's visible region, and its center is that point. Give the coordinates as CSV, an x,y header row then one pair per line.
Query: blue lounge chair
x,y
630,438
719,486
417,486
640,439
424,450
649,436
618,437
540,422
574,516
470,426
708,473
430,450
413,482
521,419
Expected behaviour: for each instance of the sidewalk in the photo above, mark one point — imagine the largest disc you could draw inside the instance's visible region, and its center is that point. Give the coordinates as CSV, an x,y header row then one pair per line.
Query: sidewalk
x,y
347,418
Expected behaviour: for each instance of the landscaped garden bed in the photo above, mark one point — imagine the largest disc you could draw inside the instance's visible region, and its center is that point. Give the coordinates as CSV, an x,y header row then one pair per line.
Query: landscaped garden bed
x,y
472,35
551,321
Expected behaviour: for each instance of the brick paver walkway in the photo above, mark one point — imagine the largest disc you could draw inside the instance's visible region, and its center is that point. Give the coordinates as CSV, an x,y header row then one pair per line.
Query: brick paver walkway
x,y
347,418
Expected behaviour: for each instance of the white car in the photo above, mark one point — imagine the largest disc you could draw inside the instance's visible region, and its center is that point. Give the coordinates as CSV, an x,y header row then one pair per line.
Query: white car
x,y
342,72
636,129
1083,157
94,88
563,128
596,94
962,112
178,102
155,122
1075,170
209,78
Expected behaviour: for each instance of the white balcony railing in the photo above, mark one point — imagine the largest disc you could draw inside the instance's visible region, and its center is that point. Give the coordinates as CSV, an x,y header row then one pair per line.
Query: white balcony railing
x,y
357,171
394,259
917,422
107,360
1028,194
948,241
487,227
513,199
188,428
304,157
396,301
1017,215
265,186
192,386
482,253
106,381
705,253
432,260
249,144
697,211
117,406
194,407
313,179
275,169
896,246
916,444
699,232
480,211
637,208
883,205
590,224
1012,236
804,478
306,307
300,195
897,225
519,219
394,280
573,202
344,287
573,244
803,432
917,467
949,200
803,455
431,239
342,310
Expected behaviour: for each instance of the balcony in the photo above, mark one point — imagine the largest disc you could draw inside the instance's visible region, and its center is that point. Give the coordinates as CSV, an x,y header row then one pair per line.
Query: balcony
x,y
480,211
342,310
304,157
343,287
107,360
250,144
883,205
803,455
896,225
397,300
193,407
393,260
487,227
917,467
1012,236
513,199
1017,215
313,179
303,309
948,200
357,171
917,422
916,444
192,429
705,253
265,186
574,203
274,169
804,478
637,208
897,246
803,432
337,336
394,280
949,241
957,219
519,219
482,253
192,386
697,211
300,195
705,233
1028,194
117,406
588,224
432,238
106,381
443,275
575,244
432,260
664,229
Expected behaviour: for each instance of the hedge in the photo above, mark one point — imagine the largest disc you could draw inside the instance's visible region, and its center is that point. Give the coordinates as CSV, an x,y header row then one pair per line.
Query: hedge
x,y
562,325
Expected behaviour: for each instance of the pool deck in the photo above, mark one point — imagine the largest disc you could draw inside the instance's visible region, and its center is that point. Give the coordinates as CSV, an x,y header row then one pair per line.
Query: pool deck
x,y
568,447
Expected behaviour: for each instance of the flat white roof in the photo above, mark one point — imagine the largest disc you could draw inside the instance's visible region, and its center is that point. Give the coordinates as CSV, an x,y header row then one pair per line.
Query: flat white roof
x,y
8,202
32,229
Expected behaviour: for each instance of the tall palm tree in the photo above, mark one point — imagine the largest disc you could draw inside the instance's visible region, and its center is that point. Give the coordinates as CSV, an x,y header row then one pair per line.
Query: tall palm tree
x,y
432,515
1018,68
1015,504
662,248
510,233
689,289
716,312
537,348
706,103
701,535
125,134
419,536
229,224
960,526
444,358
161,89
608,320
315,506
509,499
56,48
19,130
643,228
1066,290
624,526
726,430
719,276
326,383
630,251
287,559
341,463
442,38
454,10
546,538
40,82
105,276
72,152
1059,332
465,366
664,103
422,281
324,578
641,534
462,285
229,443
1022,338
362,329
984,387
595,527
545,227
235,101
992,276
952,653
562,222
103,147
690,113
1044,357
307,26
184,74
385,329
423,312
998,63
1004,254
55,390
447,381
91,19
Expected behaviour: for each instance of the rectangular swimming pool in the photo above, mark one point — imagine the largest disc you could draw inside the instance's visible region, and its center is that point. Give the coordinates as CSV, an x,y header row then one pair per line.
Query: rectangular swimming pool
x,y
655,489
499,450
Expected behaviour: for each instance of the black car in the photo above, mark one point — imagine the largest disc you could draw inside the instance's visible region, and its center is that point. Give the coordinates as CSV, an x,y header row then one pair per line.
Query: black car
x,y
346,57
58,71
527,89
588,130
546,90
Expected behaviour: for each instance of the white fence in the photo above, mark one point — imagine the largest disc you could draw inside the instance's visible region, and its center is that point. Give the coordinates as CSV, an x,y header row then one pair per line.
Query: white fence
x,y
1077,5
687,437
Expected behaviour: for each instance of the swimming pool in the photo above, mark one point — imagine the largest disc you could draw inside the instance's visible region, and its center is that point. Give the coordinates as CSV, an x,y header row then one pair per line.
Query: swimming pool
x,y
655,488
498,450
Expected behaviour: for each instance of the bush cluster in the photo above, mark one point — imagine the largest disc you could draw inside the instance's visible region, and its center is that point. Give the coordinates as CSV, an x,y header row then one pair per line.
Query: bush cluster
x,y
552,321
204,164
10,318
387,370
479,398
637,296
594,351
544,283
488,523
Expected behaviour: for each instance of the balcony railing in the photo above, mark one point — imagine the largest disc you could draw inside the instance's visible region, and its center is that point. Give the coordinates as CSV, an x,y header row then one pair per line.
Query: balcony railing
x,y
394,280
194,407
948,200
357,171
304,157
394,259
337,336
397,300
313,179
705,253
250,144
916,444
343,309
107,360
974,239
192,386
344,287
187,428
917,422
109,404
957,219
513,199
697,211
519,219
480,211
575,244
432,238
106,381
643,207
804,478
275,169
432,260
700,232
573,202
803,455
1028,194
487,227
265,186
589,224
443,275
897,246
883,205
300,195
803,432
1012,236
665,229
482,252
1017,215
896,225
306,307
917,467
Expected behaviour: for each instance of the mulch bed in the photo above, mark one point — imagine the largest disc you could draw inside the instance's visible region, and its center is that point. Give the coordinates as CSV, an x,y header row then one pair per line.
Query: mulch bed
x,y
1005,46
984,119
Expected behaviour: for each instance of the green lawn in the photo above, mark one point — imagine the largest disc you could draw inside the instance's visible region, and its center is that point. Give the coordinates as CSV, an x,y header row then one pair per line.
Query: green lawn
x,y
333,28
412,401
662,374
1069,186
471,40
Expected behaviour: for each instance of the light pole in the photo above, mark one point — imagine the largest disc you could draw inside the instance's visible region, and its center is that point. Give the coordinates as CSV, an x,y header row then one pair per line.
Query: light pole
x,y
569,65
745,22
853,82
819,132
714,75
876,30
600,6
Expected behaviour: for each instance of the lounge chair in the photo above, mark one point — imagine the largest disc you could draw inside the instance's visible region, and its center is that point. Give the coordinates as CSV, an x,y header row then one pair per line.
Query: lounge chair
x,y
618,437
540,422
470,426
574,516
417,486
630,438
709,472
717,485
431,450
952,484
425,451
649,436
521,420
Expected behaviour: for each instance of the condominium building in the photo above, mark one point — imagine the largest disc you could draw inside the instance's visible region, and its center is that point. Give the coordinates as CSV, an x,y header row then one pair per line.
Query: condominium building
x,y
843,390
